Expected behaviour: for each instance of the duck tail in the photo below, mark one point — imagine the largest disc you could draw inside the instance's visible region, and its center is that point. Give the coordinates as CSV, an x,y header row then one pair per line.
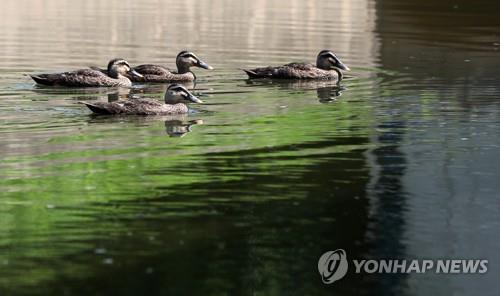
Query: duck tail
x,y
96,108
42,79
250,73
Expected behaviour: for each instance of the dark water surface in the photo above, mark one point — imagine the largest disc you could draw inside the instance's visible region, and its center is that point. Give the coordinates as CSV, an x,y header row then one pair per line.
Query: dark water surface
x,y
401,161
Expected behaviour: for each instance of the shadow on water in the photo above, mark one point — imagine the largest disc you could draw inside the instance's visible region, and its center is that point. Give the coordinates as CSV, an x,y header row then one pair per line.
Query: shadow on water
x,y
388,207
256,223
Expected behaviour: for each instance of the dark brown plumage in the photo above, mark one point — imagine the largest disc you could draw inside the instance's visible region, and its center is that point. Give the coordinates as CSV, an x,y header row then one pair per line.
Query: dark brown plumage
x,y
80,78
292,70
114,76
174,98
184,61
327,66
156,73
136,107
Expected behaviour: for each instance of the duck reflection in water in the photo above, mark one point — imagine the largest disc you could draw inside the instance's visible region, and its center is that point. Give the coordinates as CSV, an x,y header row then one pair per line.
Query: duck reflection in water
x,y
120,94
177,126
329,94
327,91
150,88
132,93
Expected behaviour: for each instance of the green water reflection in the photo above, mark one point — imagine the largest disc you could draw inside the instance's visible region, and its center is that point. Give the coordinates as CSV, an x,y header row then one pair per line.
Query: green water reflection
x,y
244,194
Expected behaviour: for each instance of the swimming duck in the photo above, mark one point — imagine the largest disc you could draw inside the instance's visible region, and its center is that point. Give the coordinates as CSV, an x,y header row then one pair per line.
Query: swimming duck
x,y
114,76
175,96
184,61
155,73
327,66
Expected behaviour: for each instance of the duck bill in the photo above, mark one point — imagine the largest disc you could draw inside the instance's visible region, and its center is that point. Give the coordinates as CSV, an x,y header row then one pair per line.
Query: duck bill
x,y
342,66
194,99
134,73
204,65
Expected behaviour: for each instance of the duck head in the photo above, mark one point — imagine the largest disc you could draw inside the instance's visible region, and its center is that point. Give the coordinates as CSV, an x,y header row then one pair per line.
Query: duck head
x,y
327,60
120,67
177,93
186,59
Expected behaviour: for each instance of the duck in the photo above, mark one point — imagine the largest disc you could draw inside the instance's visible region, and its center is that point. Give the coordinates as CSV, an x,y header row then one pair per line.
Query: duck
x,y
116,75
175,97
328,66
156,73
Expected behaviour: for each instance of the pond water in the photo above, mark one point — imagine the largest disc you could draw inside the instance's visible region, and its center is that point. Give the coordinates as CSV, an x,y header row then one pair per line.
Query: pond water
x,y
243,195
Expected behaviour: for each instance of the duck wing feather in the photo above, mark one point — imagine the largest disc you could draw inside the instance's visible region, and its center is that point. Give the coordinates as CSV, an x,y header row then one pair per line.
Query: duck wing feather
x,y
150,69
136,107
82,77
156,73
291,71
